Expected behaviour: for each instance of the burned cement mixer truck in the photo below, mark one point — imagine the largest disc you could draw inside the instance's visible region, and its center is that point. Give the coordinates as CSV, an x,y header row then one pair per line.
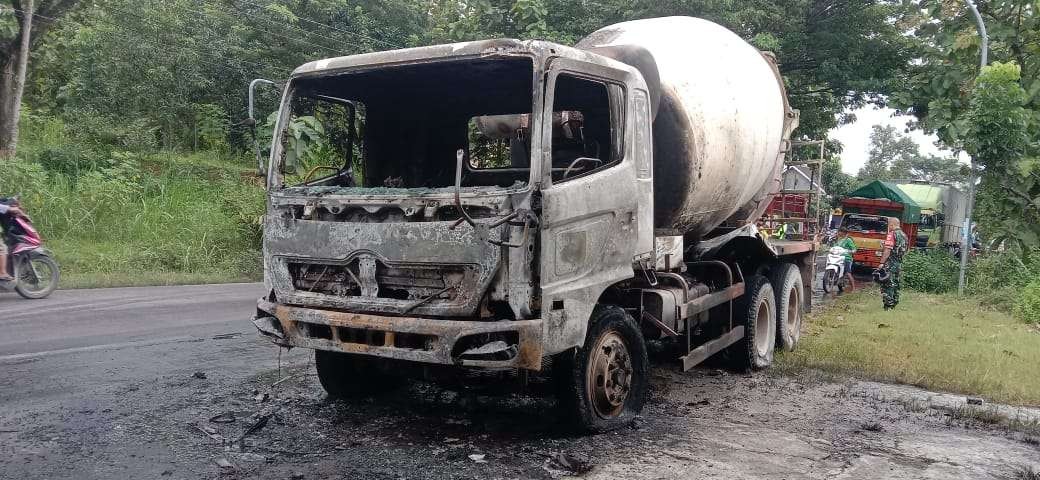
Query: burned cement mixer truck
x,y
522,206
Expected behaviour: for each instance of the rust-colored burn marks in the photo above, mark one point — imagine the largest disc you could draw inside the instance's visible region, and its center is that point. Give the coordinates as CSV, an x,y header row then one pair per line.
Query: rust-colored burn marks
x,y
405,338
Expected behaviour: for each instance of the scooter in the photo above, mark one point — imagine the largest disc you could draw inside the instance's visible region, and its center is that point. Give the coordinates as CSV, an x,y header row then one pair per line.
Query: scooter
x,y
33,267
834,272
831,236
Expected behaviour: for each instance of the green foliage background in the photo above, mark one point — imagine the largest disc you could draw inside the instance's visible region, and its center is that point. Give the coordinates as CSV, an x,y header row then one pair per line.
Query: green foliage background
x,y
1006,280
932,272
135,164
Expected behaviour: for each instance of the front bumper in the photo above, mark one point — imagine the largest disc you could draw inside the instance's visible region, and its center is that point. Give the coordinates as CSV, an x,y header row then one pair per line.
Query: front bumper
x,y
423,340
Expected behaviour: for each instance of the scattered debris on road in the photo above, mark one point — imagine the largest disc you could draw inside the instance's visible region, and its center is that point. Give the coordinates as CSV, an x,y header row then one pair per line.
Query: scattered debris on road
x,y
226,417
224,464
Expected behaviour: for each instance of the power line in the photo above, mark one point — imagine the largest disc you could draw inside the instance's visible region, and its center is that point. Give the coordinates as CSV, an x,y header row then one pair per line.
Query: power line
x,y
300,30
140,34
157,31
313,22
188,34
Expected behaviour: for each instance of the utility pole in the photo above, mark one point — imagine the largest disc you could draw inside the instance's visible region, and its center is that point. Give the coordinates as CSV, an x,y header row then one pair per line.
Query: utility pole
x,y
966,243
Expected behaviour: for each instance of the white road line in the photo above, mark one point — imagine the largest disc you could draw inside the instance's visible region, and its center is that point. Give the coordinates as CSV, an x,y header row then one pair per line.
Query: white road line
x,y
139,343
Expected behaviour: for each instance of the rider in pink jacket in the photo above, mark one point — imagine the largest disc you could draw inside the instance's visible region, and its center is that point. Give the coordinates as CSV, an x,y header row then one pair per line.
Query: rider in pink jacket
x,y
6,209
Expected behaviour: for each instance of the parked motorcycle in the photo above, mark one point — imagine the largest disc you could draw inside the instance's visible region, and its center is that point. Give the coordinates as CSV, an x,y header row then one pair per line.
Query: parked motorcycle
x,y
834,272
34,269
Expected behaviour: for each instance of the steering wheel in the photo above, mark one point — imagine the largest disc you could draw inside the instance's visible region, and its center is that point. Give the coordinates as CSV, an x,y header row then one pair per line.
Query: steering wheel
x,y
567,173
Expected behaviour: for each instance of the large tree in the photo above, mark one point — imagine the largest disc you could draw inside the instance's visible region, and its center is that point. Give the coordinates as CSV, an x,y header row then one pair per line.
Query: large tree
x,y
25,25
995,116
170,71
834,54
929,168
888,147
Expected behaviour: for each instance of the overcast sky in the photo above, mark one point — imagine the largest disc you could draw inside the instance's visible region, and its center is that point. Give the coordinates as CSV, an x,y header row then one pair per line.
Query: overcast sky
x,y
856,136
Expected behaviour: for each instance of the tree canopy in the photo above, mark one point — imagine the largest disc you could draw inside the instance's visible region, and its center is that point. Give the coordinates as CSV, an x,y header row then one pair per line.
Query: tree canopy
x,y
894,156
172,67
994,115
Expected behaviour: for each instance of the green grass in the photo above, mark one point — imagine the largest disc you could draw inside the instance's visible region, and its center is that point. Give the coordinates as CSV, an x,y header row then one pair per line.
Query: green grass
x,y
938,342
146,219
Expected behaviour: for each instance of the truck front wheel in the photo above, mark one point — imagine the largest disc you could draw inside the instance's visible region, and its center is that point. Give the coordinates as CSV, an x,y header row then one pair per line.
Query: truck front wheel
x,y
603,385
756,311
343,375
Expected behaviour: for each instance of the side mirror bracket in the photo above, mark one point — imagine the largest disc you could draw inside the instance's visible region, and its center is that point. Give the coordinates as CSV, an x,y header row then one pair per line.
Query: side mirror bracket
x,y
261,167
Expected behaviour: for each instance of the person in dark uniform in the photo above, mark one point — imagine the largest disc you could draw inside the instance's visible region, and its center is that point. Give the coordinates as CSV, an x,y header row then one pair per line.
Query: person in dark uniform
x,y
896,245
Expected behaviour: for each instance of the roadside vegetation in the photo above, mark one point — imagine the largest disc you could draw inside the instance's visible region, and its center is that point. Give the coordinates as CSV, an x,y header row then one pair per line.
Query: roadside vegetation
x,y
937,342
133,156
1008,281
134,215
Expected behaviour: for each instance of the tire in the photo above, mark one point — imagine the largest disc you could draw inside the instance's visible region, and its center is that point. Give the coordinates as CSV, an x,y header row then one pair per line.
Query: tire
x,y
829,281
27,288
343,375
756,311
790,303
589,398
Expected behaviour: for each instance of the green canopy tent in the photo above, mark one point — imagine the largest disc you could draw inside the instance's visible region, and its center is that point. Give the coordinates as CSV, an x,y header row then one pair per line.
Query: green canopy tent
x,y
879,190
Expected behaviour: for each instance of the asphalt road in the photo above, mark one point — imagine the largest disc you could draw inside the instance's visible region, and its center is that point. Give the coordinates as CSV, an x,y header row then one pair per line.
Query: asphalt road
x,y
75,368
74,320
173,382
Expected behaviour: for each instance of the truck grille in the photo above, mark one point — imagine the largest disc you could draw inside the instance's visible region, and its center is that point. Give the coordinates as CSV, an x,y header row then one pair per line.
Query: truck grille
x,y
367,277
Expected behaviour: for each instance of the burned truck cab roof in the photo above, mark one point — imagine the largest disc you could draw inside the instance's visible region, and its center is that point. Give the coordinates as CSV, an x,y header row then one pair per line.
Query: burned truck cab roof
x,y
536,49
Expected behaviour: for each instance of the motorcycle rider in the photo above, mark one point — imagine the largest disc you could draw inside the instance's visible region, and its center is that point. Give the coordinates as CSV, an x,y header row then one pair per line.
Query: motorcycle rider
x,y
849,245
8,209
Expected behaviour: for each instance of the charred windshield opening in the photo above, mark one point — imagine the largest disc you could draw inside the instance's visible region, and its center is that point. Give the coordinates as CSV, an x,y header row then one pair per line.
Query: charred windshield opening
x,y
400,127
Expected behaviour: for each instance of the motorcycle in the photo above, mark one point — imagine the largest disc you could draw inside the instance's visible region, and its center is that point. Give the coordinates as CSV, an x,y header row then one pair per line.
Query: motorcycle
x,y
33,267
834,272
831,236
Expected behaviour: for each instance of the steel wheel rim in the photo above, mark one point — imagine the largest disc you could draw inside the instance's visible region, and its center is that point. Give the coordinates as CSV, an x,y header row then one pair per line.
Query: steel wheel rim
x,y
609,376
794,310
762,322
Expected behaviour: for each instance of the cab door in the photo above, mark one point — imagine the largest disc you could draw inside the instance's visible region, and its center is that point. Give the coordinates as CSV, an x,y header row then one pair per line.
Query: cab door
x,y
597,196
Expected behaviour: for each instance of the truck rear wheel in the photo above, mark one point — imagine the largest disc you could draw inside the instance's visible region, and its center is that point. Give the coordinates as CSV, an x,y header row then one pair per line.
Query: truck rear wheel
x,y
343,375
756,311
787,284
603,385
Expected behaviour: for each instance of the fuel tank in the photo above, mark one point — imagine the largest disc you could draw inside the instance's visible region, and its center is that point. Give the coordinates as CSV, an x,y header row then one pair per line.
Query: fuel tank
x,y
722,119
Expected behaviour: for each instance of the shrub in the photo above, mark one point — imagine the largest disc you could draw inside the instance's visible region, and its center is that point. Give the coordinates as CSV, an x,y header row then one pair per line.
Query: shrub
x,y
998,278
934,271
1027,307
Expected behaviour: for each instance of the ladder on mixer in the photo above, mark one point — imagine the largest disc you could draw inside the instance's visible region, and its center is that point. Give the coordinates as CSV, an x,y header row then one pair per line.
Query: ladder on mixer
x,y
799,206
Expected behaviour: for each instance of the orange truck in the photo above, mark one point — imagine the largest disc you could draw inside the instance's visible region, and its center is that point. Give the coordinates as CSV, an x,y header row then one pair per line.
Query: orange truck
x,y
866,212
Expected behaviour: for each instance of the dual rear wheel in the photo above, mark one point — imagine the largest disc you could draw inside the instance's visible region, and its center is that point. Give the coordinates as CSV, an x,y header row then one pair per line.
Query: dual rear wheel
x,y
771,312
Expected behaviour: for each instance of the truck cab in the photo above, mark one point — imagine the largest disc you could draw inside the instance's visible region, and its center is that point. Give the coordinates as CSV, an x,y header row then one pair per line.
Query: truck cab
x,y
869,233
518,127
490,205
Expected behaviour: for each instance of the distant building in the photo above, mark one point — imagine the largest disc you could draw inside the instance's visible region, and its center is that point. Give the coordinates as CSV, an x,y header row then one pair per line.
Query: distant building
x,y
799,177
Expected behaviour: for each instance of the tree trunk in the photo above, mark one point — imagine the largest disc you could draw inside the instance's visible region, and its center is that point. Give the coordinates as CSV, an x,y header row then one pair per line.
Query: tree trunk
x,y
12,86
